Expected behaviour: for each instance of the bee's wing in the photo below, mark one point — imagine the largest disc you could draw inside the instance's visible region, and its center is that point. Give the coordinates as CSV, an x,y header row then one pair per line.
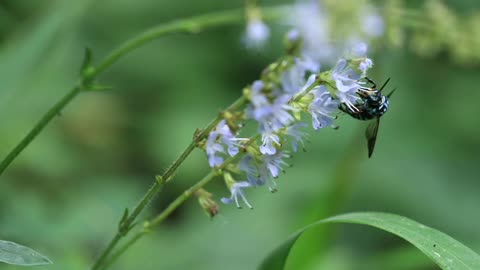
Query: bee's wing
x,y
371,134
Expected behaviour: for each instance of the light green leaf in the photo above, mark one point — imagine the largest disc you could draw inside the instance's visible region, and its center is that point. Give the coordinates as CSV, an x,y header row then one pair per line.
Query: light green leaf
x,y
442,249
13,253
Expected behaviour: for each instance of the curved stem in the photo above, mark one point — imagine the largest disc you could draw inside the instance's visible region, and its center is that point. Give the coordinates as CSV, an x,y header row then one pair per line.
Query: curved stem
x,y
126,224
162,216
47,117
187,193
190,25
123,248
181,199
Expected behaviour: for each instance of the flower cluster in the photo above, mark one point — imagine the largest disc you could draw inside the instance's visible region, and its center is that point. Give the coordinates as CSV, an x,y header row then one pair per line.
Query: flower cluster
x,y
290,92
327,28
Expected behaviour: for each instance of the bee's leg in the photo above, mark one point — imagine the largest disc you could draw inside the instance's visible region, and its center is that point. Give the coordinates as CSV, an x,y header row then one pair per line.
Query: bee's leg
x,y
374,85
364,92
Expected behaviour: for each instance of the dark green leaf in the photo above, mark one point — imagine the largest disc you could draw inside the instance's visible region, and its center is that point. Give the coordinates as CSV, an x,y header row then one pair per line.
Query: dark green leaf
x,y
442,249
13,253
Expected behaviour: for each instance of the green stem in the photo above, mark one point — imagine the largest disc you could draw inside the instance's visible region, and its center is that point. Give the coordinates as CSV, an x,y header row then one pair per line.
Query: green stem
x,y
55,110
163,215
190,25
123,248
187,193
181,199
126,225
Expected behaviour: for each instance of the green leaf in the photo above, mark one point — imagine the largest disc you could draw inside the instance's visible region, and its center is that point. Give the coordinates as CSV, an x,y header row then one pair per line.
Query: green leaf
x,y
442,249
13,253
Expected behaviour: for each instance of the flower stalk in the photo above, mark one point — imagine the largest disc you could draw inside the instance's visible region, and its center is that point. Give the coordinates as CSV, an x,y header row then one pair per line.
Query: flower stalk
x,y
54,111
189,25
276,114
167,176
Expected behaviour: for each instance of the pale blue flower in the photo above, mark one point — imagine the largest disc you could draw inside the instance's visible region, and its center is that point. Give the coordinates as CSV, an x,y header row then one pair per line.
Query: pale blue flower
x,y
275,163
297,135
270,116
217,140
249,165
322,108
278,116
264,169
294,79
270,142
228,138
310,19
359,50
372,22
257,34
347,82
213,149
365,65
294,35
259,100
237,191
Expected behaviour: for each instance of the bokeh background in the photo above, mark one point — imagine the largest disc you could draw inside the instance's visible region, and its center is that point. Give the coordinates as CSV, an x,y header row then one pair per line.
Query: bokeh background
x,y
64,195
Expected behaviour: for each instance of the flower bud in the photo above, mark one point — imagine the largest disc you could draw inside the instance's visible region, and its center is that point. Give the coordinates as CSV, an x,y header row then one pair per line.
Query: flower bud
x,y
293,42
209,206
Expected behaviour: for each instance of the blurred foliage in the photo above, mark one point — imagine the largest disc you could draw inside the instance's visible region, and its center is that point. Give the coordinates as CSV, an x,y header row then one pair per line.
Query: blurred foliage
x,y
64,194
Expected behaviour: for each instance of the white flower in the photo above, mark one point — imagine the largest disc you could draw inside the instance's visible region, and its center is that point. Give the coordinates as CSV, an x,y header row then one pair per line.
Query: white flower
x,y
257,34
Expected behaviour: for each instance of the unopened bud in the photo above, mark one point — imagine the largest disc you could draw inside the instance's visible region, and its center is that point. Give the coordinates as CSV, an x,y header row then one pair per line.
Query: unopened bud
x,y
209,206
293,42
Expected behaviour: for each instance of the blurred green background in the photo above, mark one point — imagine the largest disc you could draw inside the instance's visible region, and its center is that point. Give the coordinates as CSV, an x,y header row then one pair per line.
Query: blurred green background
x,y
64,195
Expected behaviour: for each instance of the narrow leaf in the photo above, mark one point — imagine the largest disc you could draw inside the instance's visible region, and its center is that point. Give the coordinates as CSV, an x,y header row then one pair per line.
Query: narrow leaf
x,y
442,249
87,60
13,253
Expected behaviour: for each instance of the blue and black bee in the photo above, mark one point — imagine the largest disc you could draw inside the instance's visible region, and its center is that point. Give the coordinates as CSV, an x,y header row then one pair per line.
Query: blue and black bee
x,y
372,105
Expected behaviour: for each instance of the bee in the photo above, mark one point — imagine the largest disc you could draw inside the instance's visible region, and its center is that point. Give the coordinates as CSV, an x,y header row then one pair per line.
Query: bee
x,y
371,106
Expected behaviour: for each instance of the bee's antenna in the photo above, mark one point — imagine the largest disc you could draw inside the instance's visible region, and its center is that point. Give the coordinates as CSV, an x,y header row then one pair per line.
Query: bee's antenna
x,y
384,84
391,93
